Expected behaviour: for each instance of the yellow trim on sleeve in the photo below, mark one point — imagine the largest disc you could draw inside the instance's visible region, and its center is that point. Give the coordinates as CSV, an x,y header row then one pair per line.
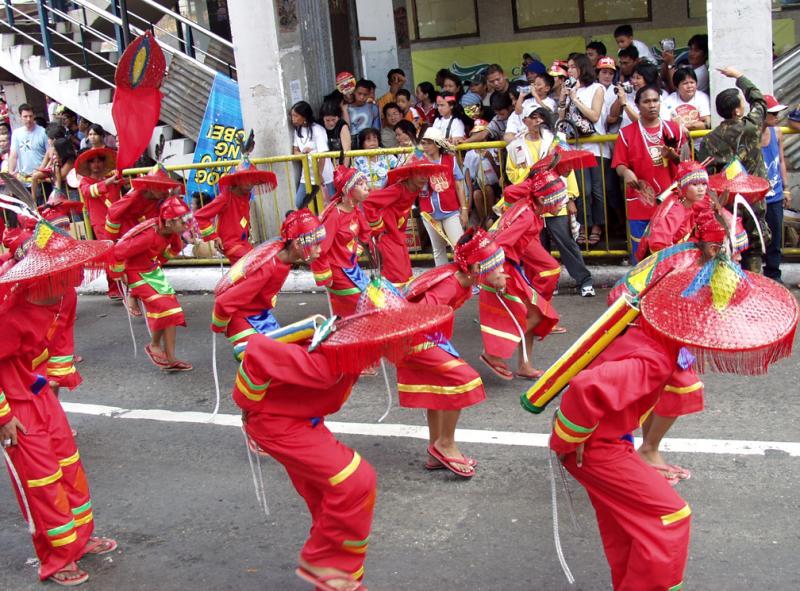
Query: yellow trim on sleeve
x,y
347,471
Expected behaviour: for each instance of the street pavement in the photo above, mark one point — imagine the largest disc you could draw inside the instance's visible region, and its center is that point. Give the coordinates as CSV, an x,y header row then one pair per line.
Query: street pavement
x,y
179,496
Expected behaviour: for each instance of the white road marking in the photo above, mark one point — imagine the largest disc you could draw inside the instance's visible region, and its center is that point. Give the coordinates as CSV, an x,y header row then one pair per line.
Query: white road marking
x,y
709,446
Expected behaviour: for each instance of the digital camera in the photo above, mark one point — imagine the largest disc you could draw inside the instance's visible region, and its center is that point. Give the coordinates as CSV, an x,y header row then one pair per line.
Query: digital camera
x,y
668,44
571,83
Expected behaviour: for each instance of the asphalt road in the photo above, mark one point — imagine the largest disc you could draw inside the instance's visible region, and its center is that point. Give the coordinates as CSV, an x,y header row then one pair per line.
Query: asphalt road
x,y
179,496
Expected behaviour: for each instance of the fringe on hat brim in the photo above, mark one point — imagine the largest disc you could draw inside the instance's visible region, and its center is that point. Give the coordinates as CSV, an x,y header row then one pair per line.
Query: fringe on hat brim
x,y
750,362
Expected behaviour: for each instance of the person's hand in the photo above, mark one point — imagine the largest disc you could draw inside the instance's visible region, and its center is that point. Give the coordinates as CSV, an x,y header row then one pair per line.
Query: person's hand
x,y
112,180
669,153
579,455
646,193
573,93
564,92
730,72
668,57
630,178
218,245
622,97
464,217
8,432
787,198
307,150
572,209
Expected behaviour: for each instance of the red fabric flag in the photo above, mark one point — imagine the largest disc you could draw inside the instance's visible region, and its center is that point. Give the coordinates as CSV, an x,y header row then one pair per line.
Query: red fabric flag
x,y
137,98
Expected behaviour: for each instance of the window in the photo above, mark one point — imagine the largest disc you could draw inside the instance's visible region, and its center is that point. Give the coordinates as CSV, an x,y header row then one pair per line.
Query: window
x,y
697,8
544,14
443,19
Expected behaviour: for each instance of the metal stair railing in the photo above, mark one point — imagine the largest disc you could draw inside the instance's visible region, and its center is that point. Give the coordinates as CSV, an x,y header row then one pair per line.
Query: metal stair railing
x,y
786,83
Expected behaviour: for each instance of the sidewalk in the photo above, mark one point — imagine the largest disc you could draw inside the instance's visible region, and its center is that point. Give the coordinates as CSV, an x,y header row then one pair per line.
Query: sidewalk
x,y
203,279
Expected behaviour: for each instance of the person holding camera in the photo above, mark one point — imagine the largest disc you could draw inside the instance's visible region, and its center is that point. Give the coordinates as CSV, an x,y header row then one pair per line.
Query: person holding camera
x,y
581,103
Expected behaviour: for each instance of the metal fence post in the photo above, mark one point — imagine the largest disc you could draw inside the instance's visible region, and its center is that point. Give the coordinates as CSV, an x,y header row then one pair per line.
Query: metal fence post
x,y
45,31
126,29
9,14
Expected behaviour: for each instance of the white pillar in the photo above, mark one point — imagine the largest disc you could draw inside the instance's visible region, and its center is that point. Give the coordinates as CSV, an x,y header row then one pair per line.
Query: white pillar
x,y
263,92
376,19
740,35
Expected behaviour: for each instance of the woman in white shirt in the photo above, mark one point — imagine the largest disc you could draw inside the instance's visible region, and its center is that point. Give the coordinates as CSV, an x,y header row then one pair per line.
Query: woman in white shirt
x,y
452,121
583,106
310,137
687,106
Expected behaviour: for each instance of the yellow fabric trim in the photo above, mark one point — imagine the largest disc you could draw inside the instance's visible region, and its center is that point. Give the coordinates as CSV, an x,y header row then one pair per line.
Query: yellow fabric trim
x,y
170,312
347,471
46,480
550,273
56,372
43,356
64,541
4,409
359,573
567,437
677,516
84,520
471,385
644,417
70,460
500,333
685,390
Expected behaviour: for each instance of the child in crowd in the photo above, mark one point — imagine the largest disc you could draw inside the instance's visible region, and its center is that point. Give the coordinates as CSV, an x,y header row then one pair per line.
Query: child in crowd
x,y
363,113
409,113
376,168
623,35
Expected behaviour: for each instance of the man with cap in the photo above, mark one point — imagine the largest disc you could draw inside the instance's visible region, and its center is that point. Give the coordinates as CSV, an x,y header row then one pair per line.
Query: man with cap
x,y
387,212
435,377
779,195
138,259
99,189
246,295
42,458
226,220
346,233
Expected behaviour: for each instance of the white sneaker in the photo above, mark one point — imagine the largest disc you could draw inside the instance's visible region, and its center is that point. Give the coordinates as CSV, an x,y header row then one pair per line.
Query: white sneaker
x,y
587,291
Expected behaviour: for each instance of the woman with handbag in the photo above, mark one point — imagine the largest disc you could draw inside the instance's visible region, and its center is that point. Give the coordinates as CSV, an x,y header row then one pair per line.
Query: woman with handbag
x,y
581,104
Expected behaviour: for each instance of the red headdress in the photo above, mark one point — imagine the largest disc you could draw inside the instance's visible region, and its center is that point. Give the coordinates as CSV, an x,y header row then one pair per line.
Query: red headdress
x,y
304,227
752,188
384,325
344,179
157,179
53,261
564,160
414,167
689,172
731,320
549,190
108,155
14,239
711,226
172,208
476,246
247,174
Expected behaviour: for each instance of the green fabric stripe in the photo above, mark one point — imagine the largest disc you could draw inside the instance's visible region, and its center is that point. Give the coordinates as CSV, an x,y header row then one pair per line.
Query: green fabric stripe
x,y
62,359
572,425
61,529
137,284
356,543
677,587
241,335
82,508
2,397
345,292
112,225
158,281
505,295
249,381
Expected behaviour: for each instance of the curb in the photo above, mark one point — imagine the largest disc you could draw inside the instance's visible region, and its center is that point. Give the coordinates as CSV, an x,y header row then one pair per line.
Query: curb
x,y
204,279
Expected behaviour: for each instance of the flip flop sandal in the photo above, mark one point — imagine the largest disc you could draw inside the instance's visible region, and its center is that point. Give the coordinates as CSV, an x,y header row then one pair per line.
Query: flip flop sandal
x,y
178,366
134,311
98,546
157,359
434,464
667,472
322,581
594,238
449,463
680,472
69,576
501,371
558,329
536,375
581,239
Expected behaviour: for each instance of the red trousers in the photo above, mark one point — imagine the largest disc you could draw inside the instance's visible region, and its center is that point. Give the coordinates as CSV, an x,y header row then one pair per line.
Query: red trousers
x,y
101,234
49,467
682,395
643,522
338,486
236,250
542,269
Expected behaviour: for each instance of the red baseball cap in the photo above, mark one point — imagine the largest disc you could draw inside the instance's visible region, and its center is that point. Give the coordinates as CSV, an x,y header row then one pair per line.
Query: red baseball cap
x,y
773,106
606,63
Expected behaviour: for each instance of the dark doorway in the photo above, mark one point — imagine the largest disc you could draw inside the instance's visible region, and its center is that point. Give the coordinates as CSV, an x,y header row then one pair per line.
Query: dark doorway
x,y
344,33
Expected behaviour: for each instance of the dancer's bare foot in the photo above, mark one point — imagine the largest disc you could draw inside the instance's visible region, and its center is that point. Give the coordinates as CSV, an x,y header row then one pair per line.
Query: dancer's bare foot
x,y
650,455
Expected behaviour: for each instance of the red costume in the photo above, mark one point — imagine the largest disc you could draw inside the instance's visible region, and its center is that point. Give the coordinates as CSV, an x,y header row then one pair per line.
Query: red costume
x,y
138,256
96,194
337,267
501,320
231,210
44,456
285,392
671,223
644,523
136,207
435,376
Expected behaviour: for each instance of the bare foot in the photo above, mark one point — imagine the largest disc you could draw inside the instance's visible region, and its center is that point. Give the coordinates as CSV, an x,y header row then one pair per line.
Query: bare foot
x,y
526,370
342,581
451,451
651,456
69,576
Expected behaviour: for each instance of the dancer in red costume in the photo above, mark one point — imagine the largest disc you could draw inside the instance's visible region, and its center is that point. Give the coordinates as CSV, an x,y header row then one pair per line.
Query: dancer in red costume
x,y
346,231
435,377
98,192
226,220
34,431
138,257
387,212
704,311
519,312
285,392
246,295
